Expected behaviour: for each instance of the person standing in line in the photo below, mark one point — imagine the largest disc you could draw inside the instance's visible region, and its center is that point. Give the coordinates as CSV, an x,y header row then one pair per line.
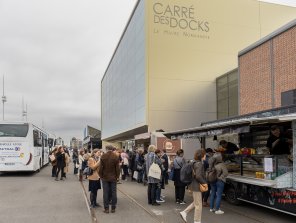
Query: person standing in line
x,y
94,179
124,164
61,163
166,166
132,162
86,156
140,161
81,162
67,161
178,163
198,178
109,172
53,161
218,186
152,182
159,185
205,195
75,161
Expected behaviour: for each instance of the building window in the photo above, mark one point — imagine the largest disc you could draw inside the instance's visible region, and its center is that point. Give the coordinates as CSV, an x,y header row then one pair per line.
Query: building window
x,y
227,95
288,98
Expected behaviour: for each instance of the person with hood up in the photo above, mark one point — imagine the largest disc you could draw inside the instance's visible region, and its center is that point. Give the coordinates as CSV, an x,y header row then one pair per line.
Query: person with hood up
x,y
218,186
198,178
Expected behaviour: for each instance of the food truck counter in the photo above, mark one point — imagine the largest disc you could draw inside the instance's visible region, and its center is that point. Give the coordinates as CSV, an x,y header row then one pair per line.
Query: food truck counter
x,y
263,170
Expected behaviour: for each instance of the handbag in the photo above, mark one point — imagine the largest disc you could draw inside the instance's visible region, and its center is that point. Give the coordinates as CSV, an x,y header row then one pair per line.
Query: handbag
x,y
203,187
88,171
172,174
125,161
52,157
154,171
135,176
140,167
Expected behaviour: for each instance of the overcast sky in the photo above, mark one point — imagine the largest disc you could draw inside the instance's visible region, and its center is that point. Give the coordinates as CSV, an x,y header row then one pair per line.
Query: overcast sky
x,y
53,54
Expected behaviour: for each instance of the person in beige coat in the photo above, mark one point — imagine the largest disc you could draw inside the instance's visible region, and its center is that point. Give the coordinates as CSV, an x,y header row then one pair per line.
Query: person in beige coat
x,y
67,161
198,179
94,178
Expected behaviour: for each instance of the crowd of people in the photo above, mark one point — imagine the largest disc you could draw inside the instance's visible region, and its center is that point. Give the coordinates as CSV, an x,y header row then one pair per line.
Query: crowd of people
x,y
104,170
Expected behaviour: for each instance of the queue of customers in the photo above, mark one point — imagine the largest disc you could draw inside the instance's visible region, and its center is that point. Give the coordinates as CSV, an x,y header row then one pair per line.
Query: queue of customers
x,y
106,170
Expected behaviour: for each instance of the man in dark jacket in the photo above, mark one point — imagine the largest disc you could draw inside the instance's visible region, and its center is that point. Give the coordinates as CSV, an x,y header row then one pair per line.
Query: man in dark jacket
x,y
109,173
229,147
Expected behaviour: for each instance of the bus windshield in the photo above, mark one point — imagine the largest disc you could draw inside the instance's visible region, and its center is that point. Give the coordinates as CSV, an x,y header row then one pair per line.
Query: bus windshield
x,y
14,130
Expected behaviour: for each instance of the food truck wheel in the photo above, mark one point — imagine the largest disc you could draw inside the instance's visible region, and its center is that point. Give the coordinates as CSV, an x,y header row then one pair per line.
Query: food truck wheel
x,y
230,195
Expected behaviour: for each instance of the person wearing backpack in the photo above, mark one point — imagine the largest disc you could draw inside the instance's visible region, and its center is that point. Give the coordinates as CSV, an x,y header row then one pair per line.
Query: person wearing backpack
x,y
205,195
218,186
198,178
178,163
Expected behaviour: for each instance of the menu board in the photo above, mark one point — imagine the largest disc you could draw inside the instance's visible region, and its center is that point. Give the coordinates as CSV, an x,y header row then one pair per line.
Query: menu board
x,y
268,165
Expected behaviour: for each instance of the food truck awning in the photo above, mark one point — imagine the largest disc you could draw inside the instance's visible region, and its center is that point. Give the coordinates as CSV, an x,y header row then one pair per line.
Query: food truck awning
x,y
235,125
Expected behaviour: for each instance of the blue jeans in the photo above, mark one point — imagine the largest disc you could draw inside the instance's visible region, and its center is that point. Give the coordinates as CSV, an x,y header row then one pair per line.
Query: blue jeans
x,y
109,194
216,192
140,176
158,192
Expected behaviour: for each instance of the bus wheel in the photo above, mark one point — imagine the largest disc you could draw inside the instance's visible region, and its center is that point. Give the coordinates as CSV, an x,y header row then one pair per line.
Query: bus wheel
x,y
231,196
39,168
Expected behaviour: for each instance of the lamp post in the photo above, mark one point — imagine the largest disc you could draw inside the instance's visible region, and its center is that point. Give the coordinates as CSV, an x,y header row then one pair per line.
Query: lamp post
x,y
4,99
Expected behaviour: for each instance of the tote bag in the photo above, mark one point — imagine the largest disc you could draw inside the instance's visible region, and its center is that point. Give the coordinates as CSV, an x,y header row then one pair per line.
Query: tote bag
x,y
125,161
154,171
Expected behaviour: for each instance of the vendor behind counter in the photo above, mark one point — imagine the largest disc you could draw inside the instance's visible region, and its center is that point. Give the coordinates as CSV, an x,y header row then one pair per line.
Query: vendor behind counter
x,y
228,147
278,143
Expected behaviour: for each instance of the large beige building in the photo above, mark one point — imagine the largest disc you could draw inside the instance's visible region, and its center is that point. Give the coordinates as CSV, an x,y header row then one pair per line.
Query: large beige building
x,y
163,71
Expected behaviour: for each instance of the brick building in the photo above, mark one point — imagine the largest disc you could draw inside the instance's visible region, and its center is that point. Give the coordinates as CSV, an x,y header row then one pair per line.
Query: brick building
x,y
267,72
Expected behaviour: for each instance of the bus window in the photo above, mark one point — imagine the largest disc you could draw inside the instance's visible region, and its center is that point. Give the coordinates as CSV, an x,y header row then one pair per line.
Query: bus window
x,y
14,130
45,140
50,142
37,139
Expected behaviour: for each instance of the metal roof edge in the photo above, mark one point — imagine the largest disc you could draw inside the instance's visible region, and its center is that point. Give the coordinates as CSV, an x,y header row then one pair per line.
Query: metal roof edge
x,y
275,33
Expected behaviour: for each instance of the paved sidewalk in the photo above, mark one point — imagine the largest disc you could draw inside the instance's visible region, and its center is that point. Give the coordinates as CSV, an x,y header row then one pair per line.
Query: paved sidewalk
x,y
133,207
38,198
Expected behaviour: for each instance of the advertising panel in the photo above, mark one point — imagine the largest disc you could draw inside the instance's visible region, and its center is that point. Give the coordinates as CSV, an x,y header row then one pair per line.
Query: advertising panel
x,y
14,153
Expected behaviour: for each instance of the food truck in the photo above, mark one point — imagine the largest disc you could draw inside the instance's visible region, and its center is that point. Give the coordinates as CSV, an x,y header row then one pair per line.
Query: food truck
x,y
255,175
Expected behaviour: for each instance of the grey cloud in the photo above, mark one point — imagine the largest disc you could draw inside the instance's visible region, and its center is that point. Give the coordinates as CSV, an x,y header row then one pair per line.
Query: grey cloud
x,y
53,54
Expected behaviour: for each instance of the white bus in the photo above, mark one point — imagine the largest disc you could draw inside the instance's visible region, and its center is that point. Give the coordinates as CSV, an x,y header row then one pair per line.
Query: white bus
x,y
23,147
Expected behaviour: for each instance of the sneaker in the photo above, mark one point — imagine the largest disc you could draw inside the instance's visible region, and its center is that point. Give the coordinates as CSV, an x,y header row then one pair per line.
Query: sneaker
x,y
183,216
106,211
160,201
162,196
113,210
212,210
219,212
182,202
